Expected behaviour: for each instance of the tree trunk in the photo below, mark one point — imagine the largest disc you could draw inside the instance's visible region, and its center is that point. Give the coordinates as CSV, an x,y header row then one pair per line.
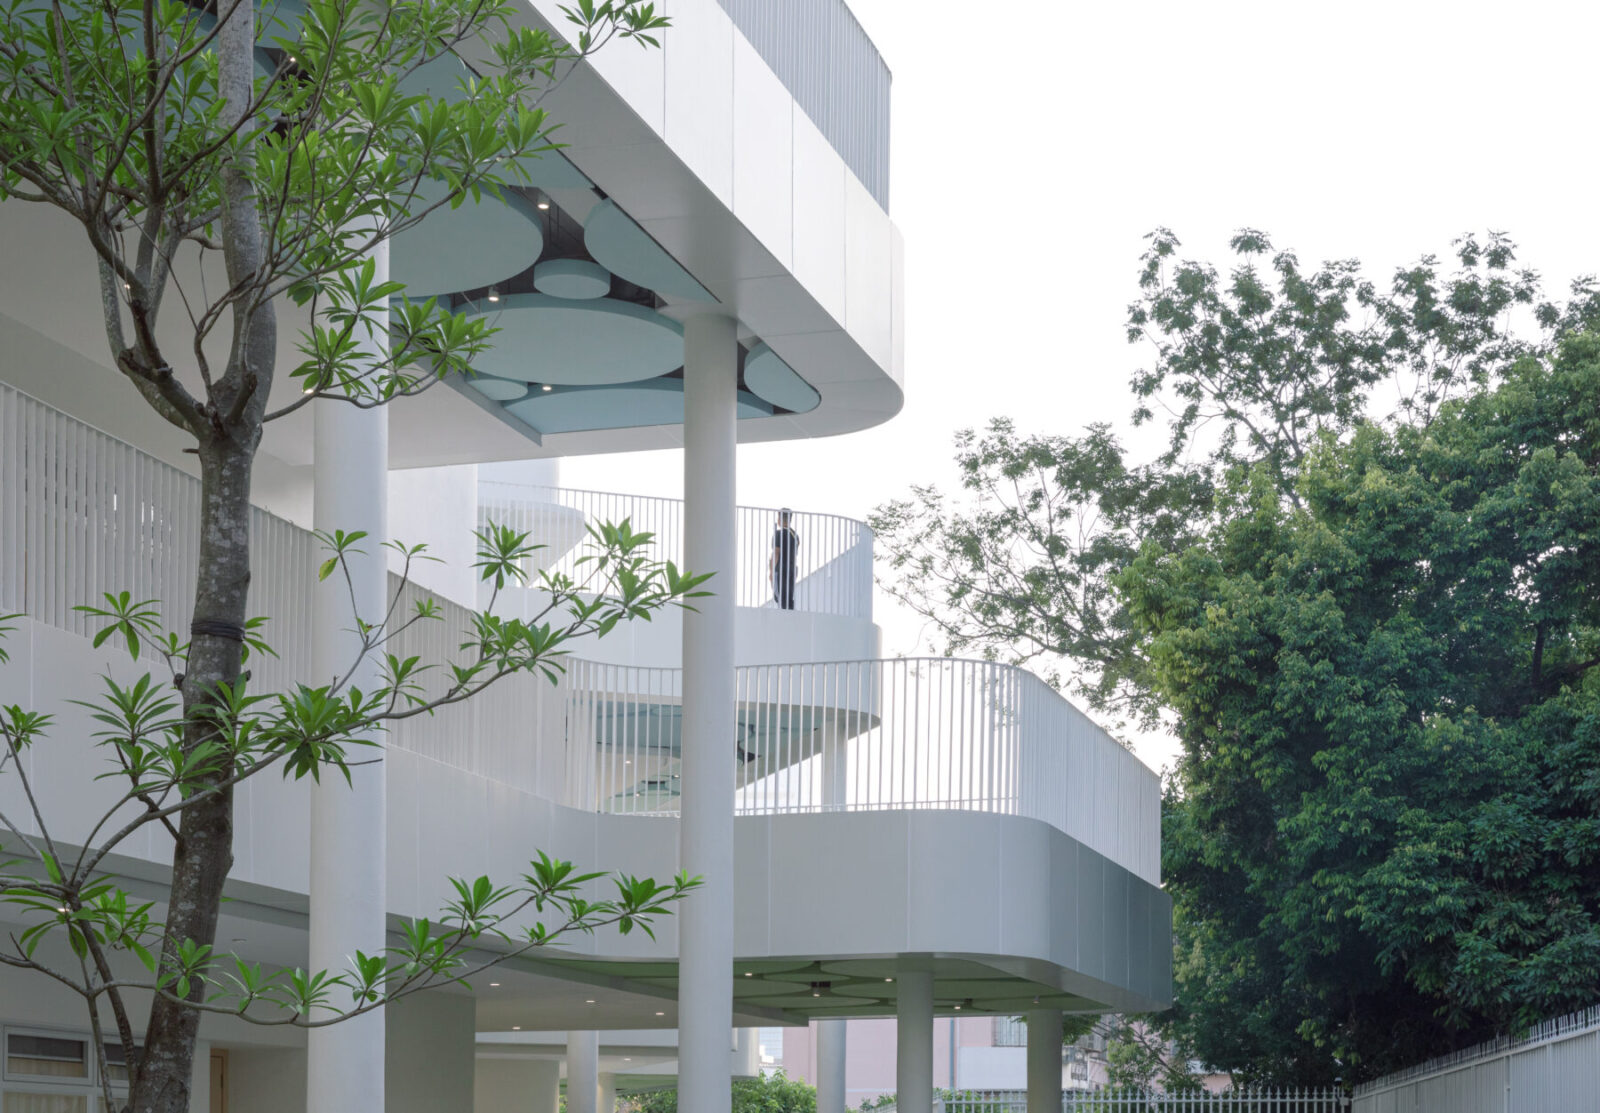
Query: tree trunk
x,y
204,851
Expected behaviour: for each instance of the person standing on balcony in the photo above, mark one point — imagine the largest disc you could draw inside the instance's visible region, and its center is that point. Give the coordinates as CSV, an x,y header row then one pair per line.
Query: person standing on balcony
x,y
785,556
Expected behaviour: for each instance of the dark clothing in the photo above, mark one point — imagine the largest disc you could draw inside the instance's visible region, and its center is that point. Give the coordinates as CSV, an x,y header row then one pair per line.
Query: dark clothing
x,y
785,559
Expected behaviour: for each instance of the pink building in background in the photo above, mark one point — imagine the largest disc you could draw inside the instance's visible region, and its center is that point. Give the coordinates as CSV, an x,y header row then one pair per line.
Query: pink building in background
x,y
969,1053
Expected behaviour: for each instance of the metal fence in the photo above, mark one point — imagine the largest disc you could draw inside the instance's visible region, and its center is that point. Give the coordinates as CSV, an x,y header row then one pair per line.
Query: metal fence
x,y
1554,1066
869,736
1129,1100
833,573
1122,1099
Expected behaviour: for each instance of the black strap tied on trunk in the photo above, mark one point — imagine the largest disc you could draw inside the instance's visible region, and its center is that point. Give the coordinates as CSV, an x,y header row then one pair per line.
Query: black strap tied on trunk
x,y
213,628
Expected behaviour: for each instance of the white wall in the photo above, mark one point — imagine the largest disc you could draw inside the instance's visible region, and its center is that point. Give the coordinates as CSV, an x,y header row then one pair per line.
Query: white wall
x,y
266,1080
437,507
516,1085
429,1063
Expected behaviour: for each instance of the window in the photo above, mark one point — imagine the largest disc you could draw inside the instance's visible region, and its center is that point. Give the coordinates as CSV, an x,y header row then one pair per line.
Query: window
x,y
1010,1031
41,1056
49,1072
17,1101
117,1063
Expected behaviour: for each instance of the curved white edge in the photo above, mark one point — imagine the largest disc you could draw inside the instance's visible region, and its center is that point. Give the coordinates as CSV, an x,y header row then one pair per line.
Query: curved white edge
x,y
762,636
1014,893
704,149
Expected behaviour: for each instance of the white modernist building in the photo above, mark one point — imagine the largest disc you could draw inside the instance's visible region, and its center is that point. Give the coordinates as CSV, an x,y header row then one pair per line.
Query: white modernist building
x,y
709,262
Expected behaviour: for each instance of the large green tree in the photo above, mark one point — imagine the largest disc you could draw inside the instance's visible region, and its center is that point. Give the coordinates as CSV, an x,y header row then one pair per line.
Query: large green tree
x,y
1357,585
1384,837
277,146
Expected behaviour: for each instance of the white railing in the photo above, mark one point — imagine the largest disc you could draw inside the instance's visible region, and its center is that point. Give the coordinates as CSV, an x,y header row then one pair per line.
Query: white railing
x,y
1551,1066
833,561
82,514
1110,1099
870,736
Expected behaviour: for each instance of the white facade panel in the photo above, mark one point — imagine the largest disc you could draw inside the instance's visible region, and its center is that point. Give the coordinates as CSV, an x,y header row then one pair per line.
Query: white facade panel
x,y
819,224
763,152
897,303
638,73
437,507
868,263
699,86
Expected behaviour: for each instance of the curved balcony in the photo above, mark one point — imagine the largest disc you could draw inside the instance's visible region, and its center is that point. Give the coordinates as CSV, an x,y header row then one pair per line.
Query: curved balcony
x,y
863,736
833,562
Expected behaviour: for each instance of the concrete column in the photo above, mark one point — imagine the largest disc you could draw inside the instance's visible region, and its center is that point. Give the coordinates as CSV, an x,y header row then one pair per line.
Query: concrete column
x,y
835,764
345,1062
914,1035
705,919
583,1072
1044,1061
544,1086
608,1093
831,1045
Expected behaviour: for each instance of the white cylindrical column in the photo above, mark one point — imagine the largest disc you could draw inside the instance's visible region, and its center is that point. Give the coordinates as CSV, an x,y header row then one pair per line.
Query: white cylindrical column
x,y
831,1045
1044,1061
583,1072
705,993
607,1089
344,1062
544,1086
914,1043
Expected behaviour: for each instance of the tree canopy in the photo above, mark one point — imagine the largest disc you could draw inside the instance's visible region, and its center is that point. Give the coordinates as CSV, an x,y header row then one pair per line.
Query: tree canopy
x,y
1371,617
221,161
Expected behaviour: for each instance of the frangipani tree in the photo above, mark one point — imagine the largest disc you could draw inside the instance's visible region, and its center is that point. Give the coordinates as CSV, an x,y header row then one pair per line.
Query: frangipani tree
x,y
284,150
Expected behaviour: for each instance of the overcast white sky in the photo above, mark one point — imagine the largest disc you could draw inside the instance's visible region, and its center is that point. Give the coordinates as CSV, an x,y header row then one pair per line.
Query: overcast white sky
x,y
1034,145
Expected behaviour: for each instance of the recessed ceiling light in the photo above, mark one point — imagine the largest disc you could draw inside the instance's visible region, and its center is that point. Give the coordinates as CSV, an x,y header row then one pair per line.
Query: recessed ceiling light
x,y
661,1014
590,1001
749,974
546,386
516,1027
627,1058
888,979
493,984
958,1008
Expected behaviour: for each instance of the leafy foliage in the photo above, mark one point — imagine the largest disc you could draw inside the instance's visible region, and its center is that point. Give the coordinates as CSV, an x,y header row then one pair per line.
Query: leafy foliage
x,y
1022,573
221,162
1360,584
68,895
1385,824
767,1093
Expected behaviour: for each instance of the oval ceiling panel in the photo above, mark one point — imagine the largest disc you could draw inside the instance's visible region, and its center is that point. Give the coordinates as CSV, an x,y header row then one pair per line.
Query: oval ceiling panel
x,y
478,244
572,278
770,378
578,343
624,248
578,409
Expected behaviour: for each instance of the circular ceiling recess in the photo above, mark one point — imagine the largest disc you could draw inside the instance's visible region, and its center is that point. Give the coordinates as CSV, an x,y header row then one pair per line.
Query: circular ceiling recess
x,y
501,390
578,343
572,279
770,378
620,245
581,409
478,244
